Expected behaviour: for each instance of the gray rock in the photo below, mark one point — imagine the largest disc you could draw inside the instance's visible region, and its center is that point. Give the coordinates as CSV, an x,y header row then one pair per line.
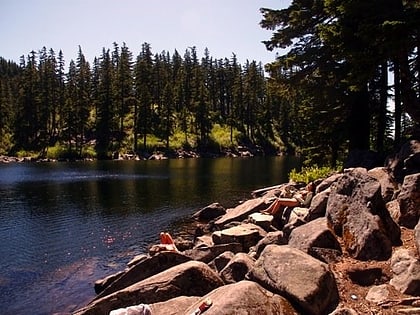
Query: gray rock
x,y
221,261
174,306
244,297
274,238
388,185
318,205
247,234
378,293
180,280
326,255
262,220
393,208
241,212
406,269
344,311
406,161
102,284
144,269
210,212
326,183
207,253
409,201
301,278
137,259
417,237
294,218
237,268
315,234
357,212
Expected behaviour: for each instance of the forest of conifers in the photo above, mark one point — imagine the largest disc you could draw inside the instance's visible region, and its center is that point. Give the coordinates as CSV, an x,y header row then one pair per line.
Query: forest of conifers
x,y
348,80
120,103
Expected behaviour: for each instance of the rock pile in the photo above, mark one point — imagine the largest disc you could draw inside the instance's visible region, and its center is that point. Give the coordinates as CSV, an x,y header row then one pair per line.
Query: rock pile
x,y
301,263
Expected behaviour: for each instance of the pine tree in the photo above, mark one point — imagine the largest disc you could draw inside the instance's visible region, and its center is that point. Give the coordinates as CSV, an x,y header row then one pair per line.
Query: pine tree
x,y
104,115
83,100
144,92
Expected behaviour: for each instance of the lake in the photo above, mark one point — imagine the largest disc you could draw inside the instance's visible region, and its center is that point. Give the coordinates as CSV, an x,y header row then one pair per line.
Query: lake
x,y
65,225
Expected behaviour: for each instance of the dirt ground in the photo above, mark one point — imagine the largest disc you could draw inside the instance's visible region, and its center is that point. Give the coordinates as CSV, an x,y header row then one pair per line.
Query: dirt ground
x,y
353,292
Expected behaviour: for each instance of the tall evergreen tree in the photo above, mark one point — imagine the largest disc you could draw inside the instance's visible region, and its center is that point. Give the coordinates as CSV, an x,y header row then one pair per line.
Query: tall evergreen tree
x,y
104,114
26,120
144,93
341,46
83,99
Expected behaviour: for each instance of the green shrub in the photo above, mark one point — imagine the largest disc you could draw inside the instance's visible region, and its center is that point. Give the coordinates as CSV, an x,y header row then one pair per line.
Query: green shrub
x,y
25,153
221,134
311,173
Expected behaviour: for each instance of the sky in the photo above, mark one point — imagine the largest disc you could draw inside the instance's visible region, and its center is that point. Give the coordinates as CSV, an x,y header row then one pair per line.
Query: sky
x,y
223,26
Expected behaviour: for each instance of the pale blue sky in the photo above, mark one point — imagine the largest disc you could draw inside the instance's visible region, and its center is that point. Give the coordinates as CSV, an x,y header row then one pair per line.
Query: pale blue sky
x,y
223,26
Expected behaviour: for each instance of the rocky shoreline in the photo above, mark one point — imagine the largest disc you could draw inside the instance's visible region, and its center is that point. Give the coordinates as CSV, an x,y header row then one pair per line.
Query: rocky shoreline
x,y
354,250
240,151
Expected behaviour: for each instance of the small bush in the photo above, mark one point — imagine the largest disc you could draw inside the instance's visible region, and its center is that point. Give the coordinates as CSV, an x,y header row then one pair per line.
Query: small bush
x,y
311,173
222,136
25,153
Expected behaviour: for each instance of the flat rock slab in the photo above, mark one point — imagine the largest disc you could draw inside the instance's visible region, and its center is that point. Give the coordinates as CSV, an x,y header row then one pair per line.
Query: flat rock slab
x,y
242,211
192,278
147,267
247,234
262,220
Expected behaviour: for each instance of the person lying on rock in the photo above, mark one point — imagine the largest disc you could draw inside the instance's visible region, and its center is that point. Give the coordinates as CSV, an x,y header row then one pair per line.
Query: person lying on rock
x,y
299,198
166,244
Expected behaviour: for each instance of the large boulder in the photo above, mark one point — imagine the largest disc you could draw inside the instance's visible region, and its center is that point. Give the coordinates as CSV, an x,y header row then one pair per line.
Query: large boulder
x,y
294,217
304,280
145,268
406,269
244,297
237,268
327,182
207,253
262,220
318,205
409,201
273,238
241,212
406,161
210,212
313,235
356,211
417,237
174,306
247,234
221,261
192,278
388,185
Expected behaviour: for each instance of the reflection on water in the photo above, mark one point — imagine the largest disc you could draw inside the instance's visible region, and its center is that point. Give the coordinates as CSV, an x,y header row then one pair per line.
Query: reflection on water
x,y
65,225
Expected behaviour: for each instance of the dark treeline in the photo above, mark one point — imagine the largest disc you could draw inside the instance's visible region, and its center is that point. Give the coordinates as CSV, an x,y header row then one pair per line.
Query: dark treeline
x,y
348,81
345,61
119,101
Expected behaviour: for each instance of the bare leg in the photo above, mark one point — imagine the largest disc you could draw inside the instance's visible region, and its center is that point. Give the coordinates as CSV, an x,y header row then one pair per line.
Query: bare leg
x,y
273,208
169,239
279,203
163,239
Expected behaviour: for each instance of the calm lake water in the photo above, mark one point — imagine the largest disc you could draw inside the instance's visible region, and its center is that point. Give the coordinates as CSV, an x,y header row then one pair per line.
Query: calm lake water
x,y
65,225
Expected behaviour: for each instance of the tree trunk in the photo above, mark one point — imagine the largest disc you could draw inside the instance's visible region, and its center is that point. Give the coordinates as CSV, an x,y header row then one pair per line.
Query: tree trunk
x,y
359,120
380,136
398,107
408,95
